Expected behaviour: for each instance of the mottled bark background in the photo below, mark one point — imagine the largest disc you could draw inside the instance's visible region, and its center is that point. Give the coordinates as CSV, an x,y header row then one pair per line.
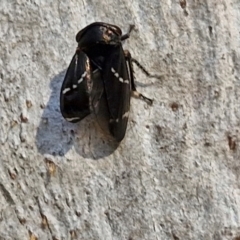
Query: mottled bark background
x,y
176,173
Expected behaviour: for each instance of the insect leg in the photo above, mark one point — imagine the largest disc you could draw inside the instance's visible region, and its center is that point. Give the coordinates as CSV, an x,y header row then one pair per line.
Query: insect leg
x,y
135,93
144,70
127,35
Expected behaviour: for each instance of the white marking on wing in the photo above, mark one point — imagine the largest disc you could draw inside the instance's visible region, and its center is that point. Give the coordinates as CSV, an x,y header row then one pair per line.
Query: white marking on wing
x,y
119,78
72,119
125,115
66,90
114,120
82,77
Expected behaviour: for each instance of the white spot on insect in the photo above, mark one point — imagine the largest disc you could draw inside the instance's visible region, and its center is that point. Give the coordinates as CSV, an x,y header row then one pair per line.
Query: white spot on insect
x,y
82,77
125,115
74,86
119,78
72,119
136,94
123,81
114,120
66,90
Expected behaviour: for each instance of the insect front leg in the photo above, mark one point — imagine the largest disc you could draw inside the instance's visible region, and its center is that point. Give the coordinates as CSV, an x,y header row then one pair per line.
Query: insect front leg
x,y
127,35
135,93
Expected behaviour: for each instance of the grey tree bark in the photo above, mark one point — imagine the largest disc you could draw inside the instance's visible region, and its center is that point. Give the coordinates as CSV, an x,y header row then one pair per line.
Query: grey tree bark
x,y
176,173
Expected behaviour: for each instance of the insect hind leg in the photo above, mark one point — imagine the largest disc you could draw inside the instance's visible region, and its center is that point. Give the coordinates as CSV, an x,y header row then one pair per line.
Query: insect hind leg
x,y
135,93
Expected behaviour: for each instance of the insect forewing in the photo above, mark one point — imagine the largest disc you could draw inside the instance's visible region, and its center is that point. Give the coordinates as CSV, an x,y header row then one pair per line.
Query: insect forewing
x,y
77,84
117,88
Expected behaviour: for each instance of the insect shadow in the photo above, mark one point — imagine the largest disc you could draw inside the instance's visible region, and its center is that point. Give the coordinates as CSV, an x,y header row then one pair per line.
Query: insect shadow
x,y
55,136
